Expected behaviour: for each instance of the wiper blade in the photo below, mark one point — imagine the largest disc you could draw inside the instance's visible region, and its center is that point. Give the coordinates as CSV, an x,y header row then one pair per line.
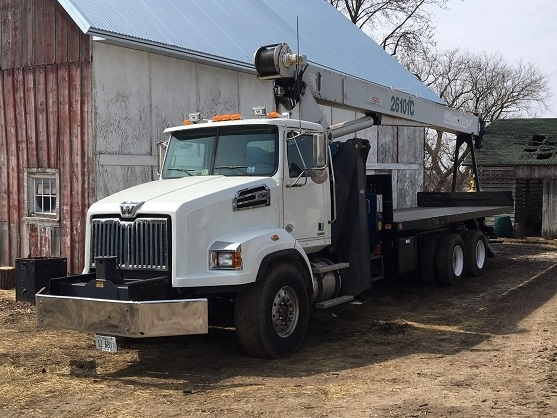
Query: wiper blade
x,y
183,170
233,167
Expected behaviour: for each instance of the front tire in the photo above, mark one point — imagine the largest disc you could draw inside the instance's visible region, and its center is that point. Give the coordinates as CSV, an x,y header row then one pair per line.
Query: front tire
x,y
271,317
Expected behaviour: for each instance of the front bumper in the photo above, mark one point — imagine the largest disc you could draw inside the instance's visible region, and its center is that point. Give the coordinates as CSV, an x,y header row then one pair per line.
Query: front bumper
x,y
122,317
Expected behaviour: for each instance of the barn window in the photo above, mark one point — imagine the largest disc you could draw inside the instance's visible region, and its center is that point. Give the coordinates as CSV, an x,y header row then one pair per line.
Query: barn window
x,y
42,193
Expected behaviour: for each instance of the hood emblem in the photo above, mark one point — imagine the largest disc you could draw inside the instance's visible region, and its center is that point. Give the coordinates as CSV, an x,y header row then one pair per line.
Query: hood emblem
x,y
129,209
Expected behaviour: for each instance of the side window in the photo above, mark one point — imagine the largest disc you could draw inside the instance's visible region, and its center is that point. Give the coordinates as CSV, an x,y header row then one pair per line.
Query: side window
x,y
42,196
300,154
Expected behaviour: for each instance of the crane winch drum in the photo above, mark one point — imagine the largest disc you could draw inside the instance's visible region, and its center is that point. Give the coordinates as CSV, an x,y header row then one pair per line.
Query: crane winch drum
x,y
277,61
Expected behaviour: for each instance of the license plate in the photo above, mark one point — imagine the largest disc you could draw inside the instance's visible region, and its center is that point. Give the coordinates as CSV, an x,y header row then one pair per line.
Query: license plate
x,y
105,343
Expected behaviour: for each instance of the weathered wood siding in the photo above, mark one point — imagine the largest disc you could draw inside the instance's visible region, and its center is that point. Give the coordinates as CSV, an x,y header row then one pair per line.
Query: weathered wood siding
x,y
410,157
528,207
138,94
497,179
397,149
45,90
549,214
531,194
545,176
400,150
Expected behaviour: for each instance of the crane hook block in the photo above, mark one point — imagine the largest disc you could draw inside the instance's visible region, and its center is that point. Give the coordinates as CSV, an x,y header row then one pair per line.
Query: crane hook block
x,y
277,61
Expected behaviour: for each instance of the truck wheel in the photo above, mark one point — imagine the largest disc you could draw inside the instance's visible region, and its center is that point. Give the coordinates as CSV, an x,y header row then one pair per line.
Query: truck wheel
x,y
475,247
428,252
449,264
271,317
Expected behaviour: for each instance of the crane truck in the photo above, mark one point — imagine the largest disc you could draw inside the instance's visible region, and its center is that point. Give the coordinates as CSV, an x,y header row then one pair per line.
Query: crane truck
x,y
273,214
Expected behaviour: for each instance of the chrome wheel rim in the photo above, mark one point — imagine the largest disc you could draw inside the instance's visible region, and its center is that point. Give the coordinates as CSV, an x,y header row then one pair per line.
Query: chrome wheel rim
x,y
480,254
458,260
285,311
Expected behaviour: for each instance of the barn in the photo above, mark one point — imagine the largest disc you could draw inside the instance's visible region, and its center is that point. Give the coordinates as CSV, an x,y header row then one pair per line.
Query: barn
x,y
520,155
87,87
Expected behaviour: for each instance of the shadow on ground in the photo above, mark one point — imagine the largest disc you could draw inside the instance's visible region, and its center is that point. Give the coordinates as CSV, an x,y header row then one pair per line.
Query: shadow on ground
x,y
390,322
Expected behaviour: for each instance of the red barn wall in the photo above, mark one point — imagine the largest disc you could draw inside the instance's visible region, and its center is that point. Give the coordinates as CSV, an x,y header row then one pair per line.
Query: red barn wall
x,y
45,122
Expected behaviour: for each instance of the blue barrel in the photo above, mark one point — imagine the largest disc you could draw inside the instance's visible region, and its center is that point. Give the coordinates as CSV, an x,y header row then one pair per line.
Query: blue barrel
x,y
503,226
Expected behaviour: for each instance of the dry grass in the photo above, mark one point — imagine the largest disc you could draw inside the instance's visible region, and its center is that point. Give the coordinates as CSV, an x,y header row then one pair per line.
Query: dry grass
x,y
35,362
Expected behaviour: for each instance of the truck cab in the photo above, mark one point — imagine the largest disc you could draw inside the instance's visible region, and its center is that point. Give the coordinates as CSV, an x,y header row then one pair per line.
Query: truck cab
x,y
287,158
236,200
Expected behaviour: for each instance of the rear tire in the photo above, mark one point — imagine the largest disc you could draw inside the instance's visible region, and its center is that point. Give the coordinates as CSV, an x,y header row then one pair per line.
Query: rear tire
x,y
271,317
475,252
428,251
450,265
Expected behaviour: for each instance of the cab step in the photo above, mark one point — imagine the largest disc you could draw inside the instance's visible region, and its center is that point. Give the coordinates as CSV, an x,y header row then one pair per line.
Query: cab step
x,y
334,302
320,269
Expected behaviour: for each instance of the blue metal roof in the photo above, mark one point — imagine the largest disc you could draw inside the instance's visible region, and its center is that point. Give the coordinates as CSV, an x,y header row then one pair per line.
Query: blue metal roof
x,y
229,32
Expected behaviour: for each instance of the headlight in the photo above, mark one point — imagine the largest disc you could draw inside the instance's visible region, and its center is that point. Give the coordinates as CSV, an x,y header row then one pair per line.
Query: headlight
x,y
226,259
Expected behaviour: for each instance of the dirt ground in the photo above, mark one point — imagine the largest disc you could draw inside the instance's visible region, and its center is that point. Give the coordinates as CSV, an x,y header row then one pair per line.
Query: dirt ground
x,y
486,347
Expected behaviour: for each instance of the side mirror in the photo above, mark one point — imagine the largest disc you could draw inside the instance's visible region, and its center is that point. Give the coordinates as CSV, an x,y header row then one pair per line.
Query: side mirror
x,y
319,150
161,153
318,173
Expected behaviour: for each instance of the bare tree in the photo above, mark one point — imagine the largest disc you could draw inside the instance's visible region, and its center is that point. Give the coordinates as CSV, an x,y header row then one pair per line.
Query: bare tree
x,y
398,26
482,83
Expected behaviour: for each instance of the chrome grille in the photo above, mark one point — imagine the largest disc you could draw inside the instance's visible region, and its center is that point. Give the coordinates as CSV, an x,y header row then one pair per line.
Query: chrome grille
x,y
141,244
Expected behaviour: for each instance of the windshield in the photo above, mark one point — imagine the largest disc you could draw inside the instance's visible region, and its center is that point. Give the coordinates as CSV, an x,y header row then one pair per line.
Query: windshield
x,y
229,150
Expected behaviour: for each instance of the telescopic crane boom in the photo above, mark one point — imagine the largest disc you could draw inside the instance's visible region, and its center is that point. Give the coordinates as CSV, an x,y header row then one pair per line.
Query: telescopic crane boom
x,y
300,87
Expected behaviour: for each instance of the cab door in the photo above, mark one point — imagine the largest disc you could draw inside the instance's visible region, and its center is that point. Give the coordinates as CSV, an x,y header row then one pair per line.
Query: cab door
x,y
307,204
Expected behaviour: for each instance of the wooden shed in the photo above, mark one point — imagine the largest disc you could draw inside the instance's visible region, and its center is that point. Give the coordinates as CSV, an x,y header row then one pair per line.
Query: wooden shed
x,y
88,86
520,155
45,131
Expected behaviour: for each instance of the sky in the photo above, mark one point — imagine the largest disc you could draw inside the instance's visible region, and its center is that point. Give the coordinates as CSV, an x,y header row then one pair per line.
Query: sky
x,y
517,29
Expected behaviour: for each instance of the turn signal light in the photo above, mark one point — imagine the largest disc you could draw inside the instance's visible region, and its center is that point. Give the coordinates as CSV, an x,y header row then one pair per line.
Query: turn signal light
x,y
220,118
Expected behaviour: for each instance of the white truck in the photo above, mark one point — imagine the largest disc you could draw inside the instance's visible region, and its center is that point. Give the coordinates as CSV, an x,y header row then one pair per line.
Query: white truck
x,y
270,214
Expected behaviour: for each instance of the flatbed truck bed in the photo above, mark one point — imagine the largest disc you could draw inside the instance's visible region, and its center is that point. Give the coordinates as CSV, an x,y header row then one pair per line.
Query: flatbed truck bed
x,y
427,218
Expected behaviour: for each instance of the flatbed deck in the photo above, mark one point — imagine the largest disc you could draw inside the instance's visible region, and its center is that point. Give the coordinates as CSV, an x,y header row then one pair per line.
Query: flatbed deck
x,y
425,218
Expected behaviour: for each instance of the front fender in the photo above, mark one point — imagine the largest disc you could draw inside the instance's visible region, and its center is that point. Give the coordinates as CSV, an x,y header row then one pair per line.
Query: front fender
x,y
256,245
295,256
